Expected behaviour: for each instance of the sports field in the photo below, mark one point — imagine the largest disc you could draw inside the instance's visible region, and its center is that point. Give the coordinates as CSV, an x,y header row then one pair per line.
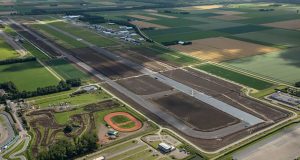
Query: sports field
x,y
27,76
235,76
283,65
6,51
66,69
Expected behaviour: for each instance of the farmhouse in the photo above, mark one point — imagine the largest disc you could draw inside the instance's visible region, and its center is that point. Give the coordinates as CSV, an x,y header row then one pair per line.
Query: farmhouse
x,y
165,147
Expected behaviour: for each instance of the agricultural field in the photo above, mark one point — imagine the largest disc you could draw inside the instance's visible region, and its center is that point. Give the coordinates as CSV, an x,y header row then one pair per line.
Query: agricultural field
x,y
60,38
282,66
219,49
7,52
66,69
27,75
235,76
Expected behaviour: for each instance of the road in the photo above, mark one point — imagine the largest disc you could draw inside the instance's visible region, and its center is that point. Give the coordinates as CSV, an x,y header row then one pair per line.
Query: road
x,y
13,44
284,145
177,123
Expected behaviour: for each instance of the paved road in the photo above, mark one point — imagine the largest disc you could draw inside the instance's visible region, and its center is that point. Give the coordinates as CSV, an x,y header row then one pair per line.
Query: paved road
x,y
139,99
13,44
17,155
285,145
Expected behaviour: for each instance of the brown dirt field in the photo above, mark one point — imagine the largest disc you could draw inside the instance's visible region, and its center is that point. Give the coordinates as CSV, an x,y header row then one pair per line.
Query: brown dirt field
x,y
142,25
219,49
162,15
204,7
104,65
118,127
35,41
290,24
141,59
144,85
195,113
226,92
142,17
229,17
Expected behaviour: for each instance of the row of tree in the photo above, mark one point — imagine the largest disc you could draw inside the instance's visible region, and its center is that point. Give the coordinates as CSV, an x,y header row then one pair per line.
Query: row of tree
x,y
13,93
17,60
70,149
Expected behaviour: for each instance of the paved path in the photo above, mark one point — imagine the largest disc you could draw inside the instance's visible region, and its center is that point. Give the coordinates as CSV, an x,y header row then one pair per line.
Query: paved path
x,y
284,145
17,155
13,44
177,123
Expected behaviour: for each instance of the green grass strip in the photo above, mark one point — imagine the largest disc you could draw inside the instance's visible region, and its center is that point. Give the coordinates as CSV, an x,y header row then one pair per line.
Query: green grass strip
x,y
236,77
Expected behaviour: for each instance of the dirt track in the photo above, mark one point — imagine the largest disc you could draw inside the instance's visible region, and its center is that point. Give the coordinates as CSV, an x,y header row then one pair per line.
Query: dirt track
x,y
117,127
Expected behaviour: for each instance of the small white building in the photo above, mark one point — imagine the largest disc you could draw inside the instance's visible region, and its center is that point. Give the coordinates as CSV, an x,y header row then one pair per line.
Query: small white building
x,y
165,148
100,158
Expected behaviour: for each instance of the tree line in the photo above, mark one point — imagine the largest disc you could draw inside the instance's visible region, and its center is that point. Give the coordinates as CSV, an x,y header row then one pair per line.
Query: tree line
x,y
70,149
13,93
17,60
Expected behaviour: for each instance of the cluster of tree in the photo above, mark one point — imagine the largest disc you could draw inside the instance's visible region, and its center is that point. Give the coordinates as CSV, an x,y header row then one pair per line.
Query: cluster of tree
x,y
17,60
297,84
176,42
169,11
266,9
92,19
66,149
13,93
169,43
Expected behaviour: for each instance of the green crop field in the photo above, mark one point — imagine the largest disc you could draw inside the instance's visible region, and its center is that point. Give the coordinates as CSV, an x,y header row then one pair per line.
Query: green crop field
x,y
165,54
283,66
235,77
6,51
269,19
27,76
34,51
58,37
176,22
79,100
183,33
243,29
85,34
279,37
66,69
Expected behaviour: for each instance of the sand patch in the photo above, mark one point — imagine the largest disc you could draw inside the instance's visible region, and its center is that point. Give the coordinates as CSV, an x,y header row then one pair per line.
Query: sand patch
x,y
142,24
162,15
290,24
221,49
151,10
7,12
205,7
142,17
229,17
